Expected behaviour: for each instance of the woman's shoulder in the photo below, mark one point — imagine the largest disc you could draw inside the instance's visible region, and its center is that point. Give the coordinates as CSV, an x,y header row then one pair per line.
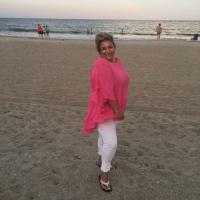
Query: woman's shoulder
x,y
118,60
100,64
100,61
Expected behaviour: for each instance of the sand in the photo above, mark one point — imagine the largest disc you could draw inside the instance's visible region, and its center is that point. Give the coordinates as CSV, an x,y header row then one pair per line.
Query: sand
x,y
43,97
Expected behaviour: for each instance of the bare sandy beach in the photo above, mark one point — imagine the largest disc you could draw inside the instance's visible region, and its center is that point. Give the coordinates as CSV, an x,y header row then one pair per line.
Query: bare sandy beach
x,y
43,98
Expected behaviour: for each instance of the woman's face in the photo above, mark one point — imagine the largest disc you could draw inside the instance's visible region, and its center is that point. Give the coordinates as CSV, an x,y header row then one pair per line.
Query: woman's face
x,y
107,50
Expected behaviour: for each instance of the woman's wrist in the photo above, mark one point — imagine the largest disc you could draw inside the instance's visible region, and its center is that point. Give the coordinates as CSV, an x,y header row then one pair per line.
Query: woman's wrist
x,y
119,114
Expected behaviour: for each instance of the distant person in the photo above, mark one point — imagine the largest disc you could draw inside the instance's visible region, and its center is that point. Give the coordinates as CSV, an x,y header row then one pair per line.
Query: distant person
x,y
122,31
89,31
40,31
46,31
158,31
195,37
107,103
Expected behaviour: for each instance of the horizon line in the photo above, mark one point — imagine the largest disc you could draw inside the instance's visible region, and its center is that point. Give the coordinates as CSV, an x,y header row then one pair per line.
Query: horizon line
x,y
100,19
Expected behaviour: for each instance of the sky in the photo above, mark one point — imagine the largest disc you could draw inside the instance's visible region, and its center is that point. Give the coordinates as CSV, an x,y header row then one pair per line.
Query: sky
x,y
102,9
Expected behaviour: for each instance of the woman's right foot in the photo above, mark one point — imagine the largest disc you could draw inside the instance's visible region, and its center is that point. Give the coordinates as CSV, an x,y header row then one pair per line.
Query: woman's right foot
x,y
104,182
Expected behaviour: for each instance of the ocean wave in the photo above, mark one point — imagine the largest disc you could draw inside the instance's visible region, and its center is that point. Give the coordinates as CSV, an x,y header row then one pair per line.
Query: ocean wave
x,y
21,30
186,34
95,30
52,31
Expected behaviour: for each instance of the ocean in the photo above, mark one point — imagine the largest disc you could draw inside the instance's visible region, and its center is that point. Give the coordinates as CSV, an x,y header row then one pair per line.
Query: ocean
x,y
86,29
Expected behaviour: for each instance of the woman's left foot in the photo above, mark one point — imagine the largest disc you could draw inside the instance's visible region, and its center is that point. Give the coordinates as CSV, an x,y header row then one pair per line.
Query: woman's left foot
x,y
98,163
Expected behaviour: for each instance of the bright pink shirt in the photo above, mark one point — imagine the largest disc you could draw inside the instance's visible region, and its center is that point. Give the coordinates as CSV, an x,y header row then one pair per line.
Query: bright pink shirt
x,y
108,81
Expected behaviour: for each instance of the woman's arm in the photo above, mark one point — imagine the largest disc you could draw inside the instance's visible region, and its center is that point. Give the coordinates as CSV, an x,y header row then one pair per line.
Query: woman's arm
x,y
119,114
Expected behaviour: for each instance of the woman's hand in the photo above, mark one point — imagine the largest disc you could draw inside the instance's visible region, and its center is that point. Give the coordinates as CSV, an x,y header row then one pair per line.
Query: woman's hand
x,y
119,114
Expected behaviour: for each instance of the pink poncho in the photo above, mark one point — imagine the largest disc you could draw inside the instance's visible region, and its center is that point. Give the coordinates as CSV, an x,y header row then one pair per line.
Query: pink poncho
x,y
109,81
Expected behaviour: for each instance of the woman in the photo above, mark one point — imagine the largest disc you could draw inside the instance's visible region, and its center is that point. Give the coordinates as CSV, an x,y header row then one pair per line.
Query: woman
x,y
107,102
40,31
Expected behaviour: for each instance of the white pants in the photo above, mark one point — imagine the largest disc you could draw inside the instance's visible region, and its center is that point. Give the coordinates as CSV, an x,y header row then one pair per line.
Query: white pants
x,y
107,143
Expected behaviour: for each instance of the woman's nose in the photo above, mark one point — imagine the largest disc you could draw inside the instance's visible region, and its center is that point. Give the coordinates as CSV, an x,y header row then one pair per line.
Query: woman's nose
x,y
107,50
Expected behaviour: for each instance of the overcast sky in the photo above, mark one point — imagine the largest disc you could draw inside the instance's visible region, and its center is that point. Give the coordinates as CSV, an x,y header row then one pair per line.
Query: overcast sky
x,y
102,9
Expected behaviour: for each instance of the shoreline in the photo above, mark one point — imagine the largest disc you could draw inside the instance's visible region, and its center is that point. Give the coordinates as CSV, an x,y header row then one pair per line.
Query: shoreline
x,y
117,39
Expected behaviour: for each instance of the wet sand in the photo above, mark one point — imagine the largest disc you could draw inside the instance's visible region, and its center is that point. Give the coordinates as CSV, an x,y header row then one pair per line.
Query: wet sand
x,y
43,97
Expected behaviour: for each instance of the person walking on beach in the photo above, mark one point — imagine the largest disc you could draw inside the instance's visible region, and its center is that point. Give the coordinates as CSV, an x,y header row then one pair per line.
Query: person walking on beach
x,y
158,31
44,33
107,103
46,29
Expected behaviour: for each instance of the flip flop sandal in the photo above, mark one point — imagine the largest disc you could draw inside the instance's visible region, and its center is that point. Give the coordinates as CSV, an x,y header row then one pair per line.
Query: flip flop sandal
x,y
105,186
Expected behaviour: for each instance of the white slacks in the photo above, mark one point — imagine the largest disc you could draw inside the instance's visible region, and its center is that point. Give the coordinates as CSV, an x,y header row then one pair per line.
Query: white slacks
x,y
107,143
